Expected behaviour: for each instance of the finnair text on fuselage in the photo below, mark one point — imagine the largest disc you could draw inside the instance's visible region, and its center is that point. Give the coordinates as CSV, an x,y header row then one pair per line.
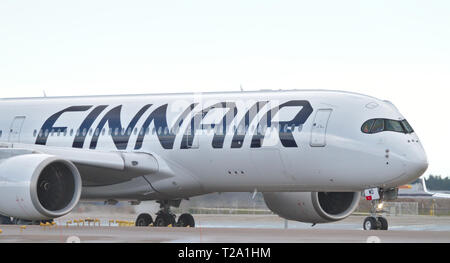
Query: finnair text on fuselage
x,y
193,115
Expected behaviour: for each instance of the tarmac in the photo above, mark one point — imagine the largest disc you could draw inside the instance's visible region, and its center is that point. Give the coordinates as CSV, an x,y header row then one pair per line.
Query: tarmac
x,y
232,229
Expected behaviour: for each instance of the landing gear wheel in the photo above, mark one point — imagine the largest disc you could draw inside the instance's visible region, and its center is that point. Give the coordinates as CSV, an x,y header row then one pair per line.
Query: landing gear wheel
x,y
164,219
383,223
370,223
144,220
186,220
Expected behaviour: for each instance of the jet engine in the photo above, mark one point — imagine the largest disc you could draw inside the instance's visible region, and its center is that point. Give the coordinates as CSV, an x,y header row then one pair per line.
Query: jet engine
x,y
312,207
38,186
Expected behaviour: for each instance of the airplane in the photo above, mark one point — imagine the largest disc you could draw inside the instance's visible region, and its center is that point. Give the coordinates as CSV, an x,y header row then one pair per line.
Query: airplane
x,y
311,153
418,189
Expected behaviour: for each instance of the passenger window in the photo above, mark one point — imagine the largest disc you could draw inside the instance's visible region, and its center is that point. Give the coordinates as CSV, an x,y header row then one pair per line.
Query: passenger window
x,y
378,126
1,132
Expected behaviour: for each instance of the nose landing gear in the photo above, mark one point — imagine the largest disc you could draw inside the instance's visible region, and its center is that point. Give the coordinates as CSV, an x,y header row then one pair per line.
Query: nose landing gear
x,y
375,221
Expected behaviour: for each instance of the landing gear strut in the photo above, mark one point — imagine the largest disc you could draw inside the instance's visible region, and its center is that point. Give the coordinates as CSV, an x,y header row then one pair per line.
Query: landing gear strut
x,y
165,217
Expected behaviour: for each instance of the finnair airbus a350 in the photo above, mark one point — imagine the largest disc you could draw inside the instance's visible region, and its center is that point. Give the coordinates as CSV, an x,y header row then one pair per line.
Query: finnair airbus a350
x,y
310,152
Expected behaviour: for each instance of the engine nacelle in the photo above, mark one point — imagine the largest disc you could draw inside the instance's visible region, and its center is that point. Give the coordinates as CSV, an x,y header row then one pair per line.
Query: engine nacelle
x,y
312,207
38,186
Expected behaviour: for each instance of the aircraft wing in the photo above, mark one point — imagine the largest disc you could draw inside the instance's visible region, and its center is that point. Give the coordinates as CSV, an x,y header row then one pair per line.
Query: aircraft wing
x,y
96,167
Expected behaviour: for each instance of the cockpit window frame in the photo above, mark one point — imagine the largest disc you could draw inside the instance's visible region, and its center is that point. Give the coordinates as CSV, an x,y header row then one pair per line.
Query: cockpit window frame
x,y
406,127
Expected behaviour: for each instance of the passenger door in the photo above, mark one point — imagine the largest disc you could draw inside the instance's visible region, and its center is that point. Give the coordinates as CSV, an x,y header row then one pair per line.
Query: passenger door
x,y
319,128
16,127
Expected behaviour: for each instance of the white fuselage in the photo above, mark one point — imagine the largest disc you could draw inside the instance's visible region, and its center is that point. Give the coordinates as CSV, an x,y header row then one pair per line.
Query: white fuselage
x,y
211,142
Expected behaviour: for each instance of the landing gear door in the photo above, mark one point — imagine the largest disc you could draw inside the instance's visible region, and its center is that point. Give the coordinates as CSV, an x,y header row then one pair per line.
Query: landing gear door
x,y
15,129
319,128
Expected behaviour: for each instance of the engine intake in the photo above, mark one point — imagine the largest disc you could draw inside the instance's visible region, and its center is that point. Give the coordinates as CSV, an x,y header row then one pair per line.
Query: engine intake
x,y
38,186
312,207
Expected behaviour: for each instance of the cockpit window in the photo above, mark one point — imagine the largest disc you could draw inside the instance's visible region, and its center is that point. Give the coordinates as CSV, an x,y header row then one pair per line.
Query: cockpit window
x,y
391,125
367,125
408,127
379,125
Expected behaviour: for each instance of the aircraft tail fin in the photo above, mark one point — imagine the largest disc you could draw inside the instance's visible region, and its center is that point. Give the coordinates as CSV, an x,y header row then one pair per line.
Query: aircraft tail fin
x,y
424,185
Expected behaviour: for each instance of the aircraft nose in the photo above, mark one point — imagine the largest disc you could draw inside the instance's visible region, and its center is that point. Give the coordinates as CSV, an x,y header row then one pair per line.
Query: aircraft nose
x,y
417,168
417,165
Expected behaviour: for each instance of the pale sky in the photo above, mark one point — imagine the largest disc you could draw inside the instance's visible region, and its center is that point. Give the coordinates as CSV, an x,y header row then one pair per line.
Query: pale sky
x,y
394,50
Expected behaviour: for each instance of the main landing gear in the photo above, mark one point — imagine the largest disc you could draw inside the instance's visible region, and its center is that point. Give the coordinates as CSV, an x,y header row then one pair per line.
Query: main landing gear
x,y
375,221
165,217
